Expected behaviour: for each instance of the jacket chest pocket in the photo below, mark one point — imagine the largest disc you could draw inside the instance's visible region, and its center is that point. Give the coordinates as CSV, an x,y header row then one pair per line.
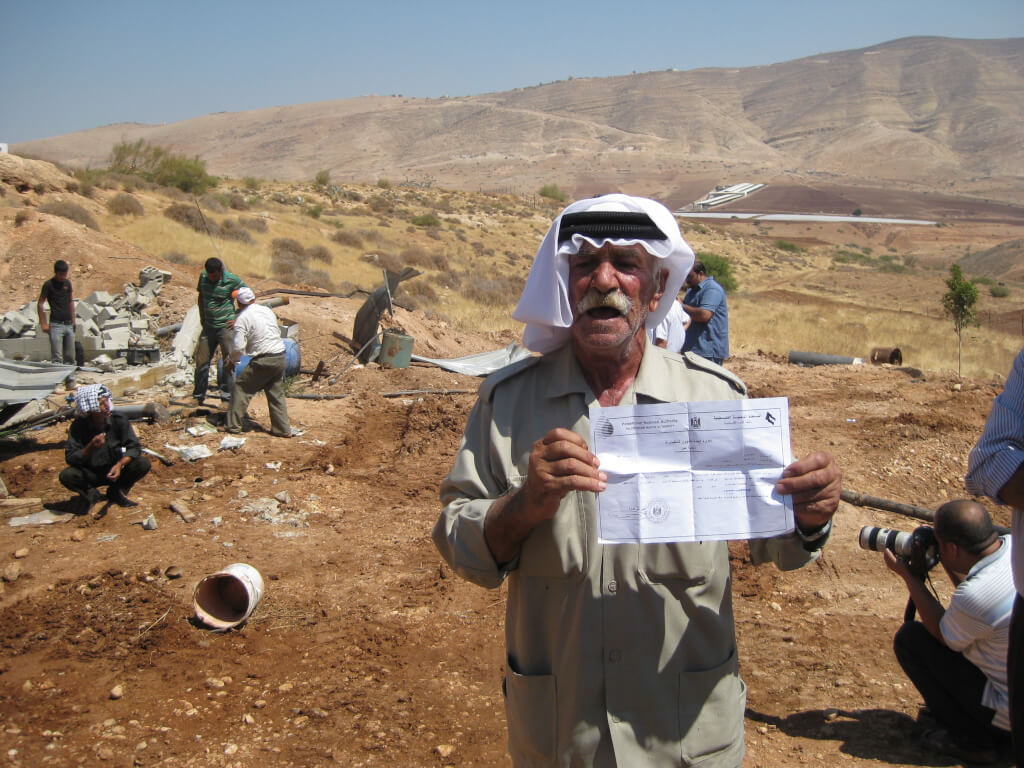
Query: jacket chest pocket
x,y
686,564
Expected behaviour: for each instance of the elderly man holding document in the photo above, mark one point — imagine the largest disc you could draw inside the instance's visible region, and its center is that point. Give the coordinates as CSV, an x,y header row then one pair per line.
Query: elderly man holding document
x,y
618,654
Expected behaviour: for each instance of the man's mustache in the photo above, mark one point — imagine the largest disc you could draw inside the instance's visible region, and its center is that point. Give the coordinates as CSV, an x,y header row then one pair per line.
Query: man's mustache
x,y
616,299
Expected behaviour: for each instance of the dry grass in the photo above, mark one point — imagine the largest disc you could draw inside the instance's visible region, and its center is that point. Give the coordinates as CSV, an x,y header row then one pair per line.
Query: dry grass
x,y
928,343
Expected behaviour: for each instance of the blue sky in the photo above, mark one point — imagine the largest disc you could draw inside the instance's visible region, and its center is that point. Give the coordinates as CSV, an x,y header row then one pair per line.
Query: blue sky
x,y
69,66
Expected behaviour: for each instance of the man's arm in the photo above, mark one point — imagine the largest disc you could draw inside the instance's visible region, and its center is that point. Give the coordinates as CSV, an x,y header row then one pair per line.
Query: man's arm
x,y
928,608
698,314
996,463
43,325
559,463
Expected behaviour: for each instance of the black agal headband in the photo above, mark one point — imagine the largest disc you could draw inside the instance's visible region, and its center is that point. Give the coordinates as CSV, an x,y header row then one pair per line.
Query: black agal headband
x,y
613,224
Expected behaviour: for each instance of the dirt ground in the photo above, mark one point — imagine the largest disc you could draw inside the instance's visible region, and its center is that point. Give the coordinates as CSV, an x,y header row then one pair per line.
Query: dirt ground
x,y
365,650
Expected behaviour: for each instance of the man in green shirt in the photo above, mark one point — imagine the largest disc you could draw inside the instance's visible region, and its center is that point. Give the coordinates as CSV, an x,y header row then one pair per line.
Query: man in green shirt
x,y
217,315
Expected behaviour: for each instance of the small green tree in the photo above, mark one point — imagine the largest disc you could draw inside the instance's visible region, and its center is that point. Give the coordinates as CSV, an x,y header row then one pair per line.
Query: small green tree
x,y
552,192
322,178
959,303
720,269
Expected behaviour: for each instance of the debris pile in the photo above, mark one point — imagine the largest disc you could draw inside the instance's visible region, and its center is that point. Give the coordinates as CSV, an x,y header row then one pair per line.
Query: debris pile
x,y
112,331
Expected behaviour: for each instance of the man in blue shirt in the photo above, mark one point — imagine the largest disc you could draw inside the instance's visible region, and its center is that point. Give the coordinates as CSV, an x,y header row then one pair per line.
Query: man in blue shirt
x,y
708,334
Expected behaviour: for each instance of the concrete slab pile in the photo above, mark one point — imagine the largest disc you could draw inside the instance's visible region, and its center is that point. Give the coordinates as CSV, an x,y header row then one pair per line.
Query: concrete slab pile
x,y
108,325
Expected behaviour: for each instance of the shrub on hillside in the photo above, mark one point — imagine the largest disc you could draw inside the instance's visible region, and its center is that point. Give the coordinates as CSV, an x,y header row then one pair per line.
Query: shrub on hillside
x,y
552,192
255,223
251,182
287,246
999,291
123,204
320,253
418,256
381,204
175,257
351,239
238,203
719,268
189,215
230,229
426,220
494,290
322,178
420,291
21,217
70,211
213,203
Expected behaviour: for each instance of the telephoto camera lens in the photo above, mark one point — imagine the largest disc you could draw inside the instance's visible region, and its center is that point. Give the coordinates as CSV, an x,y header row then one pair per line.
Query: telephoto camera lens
x,y
878,539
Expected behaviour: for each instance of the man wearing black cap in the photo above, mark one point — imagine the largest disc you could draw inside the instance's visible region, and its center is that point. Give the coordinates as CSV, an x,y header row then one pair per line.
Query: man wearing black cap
x,y
956,656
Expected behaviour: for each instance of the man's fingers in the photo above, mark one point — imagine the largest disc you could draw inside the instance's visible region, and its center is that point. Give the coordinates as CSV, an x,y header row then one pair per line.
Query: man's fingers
x,y
810,474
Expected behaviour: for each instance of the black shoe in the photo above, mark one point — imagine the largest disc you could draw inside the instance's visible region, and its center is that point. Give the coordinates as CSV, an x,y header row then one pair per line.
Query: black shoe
x,y
87,501
938,740
116,496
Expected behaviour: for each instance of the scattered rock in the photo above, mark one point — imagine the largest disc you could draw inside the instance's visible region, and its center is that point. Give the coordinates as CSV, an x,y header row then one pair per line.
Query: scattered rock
x,y
173,572
444,750
284,497
21,553
78,535
117,692
12,572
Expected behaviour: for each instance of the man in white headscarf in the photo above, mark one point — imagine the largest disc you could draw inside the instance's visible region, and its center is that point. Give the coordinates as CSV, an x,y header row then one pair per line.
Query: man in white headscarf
x,y
102,449
618,655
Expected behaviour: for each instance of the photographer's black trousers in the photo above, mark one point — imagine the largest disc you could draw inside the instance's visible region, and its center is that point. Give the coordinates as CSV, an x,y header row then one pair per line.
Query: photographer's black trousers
x,y
951,686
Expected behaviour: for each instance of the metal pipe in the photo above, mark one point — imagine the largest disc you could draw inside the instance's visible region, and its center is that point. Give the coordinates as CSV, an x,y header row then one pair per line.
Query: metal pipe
x,y
168,329
864,500
277,301
814,358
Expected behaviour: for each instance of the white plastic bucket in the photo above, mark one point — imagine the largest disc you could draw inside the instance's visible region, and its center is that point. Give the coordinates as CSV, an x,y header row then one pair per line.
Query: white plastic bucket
x,y
227,598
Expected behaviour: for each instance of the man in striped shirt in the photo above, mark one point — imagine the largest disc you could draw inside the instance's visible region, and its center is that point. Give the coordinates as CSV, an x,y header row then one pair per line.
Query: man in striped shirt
x,y
996,469
956,656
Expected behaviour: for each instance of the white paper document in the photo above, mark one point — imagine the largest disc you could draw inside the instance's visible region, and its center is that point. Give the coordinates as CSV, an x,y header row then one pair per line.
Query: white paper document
x,y
692,471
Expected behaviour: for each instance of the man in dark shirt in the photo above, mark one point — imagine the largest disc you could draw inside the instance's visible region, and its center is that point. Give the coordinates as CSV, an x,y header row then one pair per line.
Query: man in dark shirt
x,y
102,449
216,287
61,325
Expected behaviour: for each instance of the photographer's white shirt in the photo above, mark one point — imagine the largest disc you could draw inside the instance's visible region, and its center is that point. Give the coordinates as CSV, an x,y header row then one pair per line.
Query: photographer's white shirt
x,y
977,623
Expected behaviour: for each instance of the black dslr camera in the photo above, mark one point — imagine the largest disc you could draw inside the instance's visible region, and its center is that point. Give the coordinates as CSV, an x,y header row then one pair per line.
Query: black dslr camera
x,y
920,549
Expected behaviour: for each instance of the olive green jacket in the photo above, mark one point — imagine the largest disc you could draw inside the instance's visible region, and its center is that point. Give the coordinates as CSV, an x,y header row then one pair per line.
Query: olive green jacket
x,y
617,654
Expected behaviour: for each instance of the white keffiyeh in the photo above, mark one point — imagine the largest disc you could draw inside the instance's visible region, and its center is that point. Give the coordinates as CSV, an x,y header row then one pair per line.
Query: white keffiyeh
x,y
544,305
87,399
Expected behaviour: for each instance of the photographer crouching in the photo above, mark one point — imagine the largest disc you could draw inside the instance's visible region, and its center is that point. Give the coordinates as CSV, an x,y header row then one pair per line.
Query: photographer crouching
x,y
956,656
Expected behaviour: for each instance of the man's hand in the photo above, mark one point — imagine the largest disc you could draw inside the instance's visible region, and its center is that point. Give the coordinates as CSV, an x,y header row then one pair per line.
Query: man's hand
x,y
95,444
897,565
45,327
814,483
560,462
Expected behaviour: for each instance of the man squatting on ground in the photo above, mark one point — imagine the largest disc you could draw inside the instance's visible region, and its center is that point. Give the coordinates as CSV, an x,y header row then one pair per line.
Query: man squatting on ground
x,y
57,292
216,287
102,449
705,303
956,656
257,333
995,469
619,655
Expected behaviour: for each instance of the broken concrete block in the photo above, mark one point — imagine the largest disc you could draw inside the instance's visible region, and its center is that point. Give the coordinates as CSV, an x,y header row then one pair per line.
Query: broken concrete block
x,y
100,298
84,310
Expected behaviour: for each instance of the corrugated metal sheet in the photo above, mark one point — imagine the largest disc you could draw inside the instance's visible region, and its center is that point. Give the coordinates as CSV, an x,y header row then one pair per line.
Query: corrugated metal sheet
x,y
22,381
482,364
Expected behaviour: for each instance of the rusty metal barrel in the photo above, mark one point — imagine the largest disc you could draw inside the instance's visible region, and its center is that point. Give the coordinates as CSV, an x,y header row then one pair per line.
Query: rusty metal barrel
x,y
890,355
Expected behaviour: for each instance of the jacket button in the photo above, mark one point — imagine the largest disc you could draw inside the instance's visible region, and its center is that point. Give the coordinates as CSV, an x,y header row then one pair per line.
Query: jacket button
x,y
613,586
